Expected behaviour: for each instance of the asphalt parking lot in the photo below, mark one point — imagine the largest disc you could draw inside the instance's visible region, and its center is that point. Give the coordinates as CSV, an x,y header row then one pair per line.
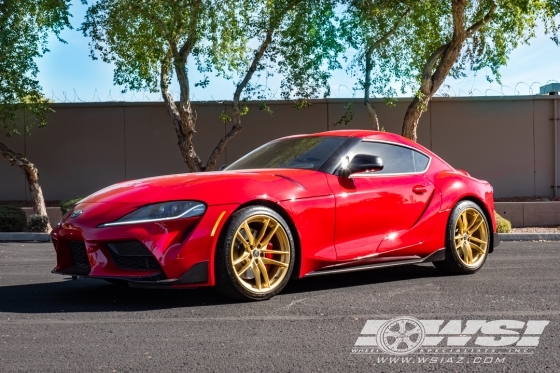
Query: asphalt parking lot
x,y
52,324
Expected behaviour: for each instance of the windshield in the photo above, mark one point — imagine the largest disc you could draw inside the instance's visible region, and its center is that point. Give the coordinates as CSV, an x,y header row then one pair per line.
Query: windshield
x,y
309,152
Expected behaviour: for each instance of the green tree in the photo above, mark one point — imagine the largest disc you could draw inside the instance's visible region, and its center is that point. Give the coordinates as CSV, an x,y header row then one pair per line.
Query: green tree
x,y
376,32
24,29
469,35
150,42
293,38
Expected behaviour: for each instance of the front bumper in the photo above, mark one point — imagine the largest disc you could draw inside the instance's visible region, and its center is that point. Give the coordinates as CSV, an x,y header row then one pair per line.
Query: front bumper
x,y
177,253
197,275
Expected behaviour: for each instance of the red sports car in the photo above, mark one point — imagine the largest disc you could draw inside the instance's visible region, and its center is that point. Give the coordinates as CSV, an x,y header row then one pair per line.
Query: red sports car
x,y
305,205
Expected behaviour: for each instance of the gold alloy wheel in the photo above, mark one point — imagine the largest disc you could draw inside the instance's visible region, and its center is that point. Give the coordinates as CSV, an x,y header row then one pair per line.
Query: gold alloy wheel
x,y
260,253
471,237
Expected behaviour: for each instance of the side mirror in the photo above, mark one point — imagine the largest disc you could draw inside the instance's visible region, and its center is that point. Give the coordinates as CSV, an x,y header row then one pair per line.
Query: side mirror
x,y
362,163
223,166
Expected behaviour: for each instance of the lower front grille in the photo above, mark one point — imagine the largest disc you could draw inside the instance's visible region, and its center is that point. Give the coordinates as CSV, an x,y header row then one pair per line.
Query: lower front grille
x,y
79,255
135,262
132,255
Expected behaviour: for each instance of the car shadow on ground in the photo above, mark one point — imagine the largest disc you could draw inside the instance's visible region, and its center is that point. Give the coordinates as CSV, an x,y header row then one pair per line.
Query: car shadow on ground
x,y
89,295
369,277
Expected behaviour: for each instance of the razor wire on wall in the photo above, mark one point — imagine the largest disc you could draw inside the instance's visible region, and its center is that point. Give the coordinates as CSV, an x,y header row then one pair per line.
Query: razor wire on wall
x,y
340,91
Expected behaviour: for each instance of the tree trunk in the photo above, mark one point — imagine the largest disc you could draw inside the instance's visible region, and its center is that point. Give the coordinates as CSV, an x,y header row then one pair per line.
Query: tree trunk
x,y
32,176
367,87
185,135
372,115
412,117
439,64
182,115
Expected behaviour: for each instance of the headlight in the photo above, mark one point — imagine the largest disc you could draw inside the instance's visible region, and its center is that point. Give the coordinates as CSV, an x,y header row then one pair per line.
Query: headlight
x,y
161,212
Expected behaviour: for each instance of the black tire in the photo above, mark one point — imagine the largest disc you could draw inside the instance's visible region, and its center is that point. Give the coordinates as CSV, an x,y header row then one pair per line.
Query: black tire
x,y
227,281
453,264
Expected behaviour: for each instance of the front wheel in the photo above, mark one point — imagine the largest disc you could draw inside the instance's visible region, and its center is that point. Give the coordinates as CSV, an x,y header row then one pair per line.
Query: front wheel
x,y
467,240
255,254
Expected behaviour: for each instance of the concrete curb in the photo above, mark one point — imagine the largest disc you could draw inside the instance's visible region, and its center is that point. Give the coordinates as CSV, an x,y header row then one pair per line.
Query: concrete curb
x,y
504,237
24,236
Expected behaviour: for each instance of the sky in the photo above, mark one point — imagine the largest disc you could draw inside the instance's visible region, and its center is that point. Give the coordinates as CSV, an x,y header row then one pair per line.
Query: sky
x,y
68,74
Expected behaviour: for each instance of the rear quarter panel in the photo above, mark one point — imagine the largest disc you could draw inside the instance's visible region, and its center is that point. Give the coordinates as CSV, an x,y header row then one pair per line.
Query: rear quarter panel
x,y
456,186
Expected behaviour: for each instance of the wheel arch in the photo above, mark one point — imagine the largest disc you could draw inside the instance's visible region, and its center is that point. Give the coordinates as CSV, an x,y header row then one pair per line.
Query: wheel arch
x,y
284,214
480,203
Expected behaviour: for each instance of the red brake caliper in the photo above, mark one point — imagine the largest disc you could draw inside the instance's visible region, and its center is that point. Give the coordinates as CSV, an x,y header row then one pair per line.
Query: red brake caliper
x,y
269,255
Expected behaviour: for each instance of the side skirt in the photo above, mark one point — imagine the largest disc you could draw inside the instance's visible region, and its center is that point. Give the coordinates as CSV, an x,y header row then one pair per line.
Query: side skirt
x,y
436,256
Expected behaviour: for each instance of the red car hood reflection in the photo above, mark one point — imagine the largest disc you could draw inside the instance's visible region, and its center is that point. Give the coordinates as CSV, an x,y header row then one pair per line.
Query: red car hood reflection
x,y
220,187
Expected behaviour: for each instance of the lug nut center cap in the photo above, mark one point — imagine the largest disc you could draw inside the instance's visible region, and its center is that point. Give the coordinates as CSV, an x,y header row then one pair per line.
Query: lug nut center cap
x,y
255,253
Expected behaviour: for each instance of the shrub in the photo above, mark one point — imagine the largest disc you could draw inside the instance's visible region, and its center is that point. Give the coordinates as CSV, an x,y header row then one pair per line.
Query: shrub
x,y
503,225
37,223
12,219
67,204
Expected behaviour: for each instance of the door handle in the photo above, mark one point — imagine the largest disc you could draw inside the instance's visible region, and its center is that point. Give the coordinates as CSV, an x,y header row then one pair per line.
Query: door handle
x,y
419,189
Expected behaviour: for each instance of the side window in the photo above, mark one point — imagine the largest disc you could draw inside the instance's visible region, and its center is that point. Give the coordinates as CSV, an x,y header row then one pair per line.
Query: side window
x,y
420,161
396,159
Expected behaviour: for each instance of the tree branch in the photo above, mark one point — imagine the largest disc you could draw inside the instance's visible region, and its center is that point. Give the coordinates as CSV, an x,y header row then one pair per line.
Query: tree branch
x,y
151,17
445,57
16,159
487,18
390,33
434,57
273,23
453,48
272,26
224,141
236,128
367,86
164,86
192,36
254,64
369,67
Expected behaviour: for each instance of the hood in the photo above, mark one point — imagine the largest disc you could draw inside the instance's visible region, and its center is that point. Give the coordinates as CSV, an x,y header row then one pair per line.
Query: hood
x,y
214,188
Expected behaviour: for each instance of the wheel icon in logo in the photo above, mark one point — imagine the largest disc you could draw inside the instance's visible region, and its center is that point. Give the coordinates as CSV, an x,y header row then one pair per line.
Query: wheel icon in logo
x,y
401,335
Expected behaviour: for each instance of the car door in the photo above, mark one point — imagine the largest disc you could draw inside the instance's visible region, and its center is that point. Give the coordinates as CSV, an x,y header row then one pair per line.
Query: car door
x,y
376,206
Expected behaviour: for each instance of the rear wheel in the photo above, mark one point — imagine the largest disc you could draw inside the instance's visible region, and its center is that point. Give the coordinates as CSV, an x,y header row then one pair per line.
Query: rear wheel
x,y
255,255
467,242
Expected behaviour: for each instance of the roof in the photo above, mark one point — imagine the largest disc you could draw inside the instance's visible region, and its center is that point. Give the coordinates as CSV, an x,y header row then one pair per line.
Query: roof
x,y
368,134
350,133
374,135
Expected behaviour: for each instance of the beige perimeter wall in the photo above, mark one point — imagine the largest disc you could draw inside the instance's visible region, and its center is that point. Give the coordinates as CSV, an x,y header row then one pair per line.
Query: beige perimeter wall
x,y
508,141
